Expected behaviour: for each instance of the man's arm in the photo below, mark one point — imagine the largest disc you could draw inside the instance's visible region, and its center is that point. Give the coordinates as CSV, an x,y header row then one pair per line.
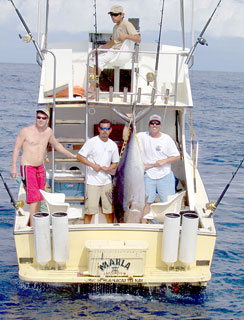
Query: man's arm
x,y
112,167
160,163
107,45
18,145
133,37
60,148
85,161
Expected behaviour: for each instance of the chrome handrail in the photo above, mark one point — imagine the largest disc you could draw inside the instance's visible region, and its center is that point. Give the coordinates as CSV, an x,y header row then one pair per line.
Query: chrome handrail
x,y
53,110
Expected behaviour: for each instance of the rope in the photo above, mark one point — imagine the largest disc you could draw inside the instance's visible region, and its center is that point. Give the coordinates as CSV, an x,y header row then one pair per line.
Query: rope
x,y
126,141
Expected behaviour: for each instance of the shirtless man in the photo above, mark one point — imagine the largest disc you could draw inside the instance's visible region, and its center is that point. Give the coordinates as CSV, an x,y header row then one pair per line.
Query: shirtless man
x,y
33,141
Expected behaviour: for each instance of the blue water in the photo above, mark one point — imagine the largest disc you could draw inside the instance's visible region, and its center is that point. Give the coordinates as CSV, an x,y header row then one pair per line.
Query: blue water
x,y
218,120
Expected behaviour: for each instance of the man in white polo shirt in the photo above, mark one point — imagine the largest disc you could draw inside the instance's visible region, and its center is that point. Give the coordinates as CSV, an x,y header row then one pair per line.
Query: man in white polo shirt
x,y
158,151
100,155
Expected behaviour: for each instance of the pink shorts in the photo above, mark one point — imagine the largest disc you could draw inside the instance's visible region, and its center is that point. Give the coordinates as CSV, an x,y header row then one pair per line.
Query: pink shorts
x,y
33,179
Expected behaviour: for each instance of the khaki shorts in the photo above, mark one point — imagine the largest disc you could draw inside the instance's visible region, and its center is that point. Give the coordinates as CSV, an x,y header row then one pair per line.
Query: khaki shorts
x,y
93,195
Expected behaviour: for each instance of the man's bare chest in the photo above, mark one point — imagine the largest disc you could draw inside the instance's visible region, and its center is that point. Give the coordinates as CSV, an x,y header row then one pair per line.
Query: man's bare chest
x,y
40,140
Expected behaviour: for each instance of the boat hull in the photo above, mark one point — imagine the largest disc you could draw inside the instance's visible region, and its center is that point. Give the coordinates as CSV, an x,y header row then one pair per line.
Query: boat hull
x,y
107,258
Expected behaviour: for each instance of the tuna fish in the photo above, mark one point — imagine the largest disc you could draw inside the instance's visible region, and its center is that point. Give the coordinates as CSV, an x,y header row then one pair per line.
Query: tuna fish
x,y
128,183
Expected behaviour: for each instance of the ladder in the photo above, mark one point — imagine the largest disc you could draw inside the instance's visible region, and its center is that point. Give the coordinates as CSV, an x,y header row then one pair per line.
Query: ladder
x,y
70,129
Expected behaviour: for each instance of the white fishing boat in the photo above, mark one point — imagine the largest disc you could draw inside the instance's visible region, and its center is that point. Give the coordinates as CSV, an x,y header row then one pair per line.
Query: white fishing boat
x,y
61,249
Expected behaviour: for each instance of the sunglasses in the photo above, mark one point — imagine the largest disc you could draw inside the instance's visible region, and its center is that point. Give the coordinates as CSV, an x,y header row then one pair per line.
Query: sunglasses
x,y
114,14
39,118
152,122
105,128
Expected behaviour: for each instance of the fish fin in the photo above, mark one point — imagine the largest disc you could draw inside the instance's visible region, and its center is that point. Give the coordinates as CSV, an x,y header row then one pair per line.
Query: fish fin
x,y
121,115
141,114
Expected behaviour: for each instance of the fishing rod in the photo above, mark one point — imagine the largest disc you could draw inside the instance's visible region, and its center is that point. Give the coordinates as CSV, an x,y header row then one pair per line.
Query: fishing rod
x,y
158,50
193,154
96,52
213,205
17,204
27,38
200,39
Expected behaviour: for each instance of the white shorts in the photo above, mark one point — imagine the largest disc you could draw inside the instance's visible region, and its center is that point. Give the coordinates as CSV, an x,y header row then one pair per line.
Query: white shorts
x,y
103,59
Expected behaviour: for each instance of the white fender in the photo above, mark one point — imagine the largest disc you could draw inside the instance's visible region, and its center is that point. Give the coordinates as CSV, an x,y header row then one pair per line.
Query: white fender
x,y
60,237
42,238
170,238
188,239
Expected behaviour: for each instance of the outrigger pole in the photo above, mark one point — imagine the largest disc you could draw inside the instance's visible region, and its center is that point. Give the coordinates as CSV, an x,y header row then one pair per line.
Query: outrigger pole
x,y
200,39
29,37
214,205
17,204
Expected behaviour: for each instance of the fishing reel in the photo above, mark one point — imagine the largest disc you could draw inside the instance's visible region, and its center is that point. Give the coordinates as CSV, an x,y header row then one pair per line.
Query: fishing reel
x,y
202,41
26,38
93,78
19,204
150,77
211,206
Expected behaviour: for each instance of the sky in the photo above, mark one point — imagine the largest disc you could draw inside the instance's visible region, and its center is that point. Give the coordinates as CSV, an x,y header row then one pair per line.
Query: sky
x,y
74,19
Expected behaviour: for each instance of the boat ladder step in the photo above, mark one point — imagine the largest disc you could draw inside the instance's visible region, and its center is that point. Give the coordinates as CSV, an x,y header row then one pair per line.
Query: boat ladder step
x,y
64,105
65,160
70,122
75,199
71,140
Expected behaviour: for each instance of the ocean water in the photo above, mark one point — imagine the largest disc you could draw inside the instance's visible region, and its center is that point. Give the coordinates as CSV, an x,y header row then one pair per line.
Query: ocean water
x,y
218,126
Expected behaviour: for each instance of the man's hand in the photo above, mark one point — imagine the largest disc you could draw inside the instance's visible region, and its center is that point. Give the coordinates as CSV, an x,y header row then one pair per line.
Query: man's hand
x,y
159,163
105,169
148,166
96,167
14,174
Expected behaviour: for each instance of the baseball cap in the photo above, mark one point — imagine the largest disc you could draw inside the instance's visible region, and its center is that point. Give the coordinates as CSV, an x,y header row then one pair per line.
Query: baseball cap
x,y
44,110
155,117
116,9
